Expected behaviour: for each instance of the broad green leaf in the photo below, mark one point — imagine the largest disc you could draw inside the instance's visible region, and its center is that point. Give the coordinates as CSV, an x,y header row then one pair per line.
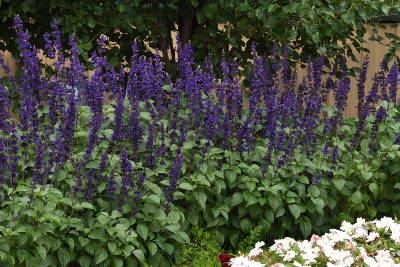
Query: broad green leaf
x,y
83,240
64,256
201,198
339,183
386,9
42,252
139,255
303,179
319,204
153,199
91,23
193,218
100,255
152,247
118,262
112,246
87,205
274,202
356,197
84,261
295,210
269,215
237,198
186,186
128,250
374,189
246,225
250,198
366,175
143,231
305,226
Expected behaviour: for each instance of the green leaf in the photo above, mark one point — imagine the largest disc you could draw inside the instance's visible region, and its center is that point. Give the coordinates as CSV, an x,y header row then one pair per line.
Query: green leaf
x,y
193,218
70,243
305,226
122,7
64,256
237,198
356,197
303,179
139,254
366,175
100,255
87,205
114,62
295,210
231,176
250,198
118,262
274,202
112,246
83,240
313,190
289,35
246,225
152,247
42,252
128,250
186,186
201,198
94,164
143,231
319,205
339,183
84,261
52,218
386,9
22,255
91,23
374,189
203,168
269,215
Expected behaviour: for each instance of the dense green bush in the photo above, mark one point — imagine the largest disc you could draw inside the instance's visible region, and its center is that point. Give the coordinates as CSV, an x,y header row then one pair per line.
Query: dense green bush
x,y
133,182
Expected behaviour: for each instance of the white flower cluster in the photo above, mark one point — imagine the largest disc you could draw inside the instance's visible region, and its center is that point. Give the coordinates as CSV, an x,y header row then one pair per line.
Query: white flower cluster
x,y
338,247
247,261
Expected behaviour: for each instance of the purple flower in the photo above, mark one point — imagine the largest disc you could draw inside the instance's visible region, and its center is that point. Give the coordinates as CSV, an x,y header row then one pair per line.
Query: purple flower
x,y
317,179
126,175
173,179
150,161
361,84
138,193
393,81
111,187
90,190
335,153
380,116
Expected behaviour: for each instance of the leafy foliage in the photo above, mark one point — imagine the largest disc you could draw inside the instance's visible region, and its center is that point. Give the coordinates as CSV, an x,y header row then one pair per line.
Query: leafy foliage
x,y
128,183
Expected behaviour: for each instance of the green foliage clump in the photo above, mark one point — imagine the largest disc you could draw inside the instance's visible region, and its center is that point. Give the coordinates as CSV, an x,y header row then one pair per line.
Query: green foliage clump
x,y
202,251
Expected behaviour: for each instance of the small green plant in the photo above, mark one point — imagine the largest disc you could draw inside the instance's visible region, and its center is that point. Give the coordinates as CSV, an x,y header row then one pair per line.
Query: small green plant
x,y
202,251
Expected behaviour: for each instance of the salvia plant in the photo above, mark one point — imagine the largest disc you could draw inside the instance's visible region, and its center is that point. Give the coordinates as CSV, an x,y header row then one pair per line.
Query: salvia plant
x,y
84,183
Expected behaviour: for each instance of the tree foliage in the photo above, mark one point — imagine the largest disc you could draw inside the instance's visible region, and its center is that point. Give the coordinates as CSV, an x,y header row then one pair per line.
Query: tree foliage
x,y
312,27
